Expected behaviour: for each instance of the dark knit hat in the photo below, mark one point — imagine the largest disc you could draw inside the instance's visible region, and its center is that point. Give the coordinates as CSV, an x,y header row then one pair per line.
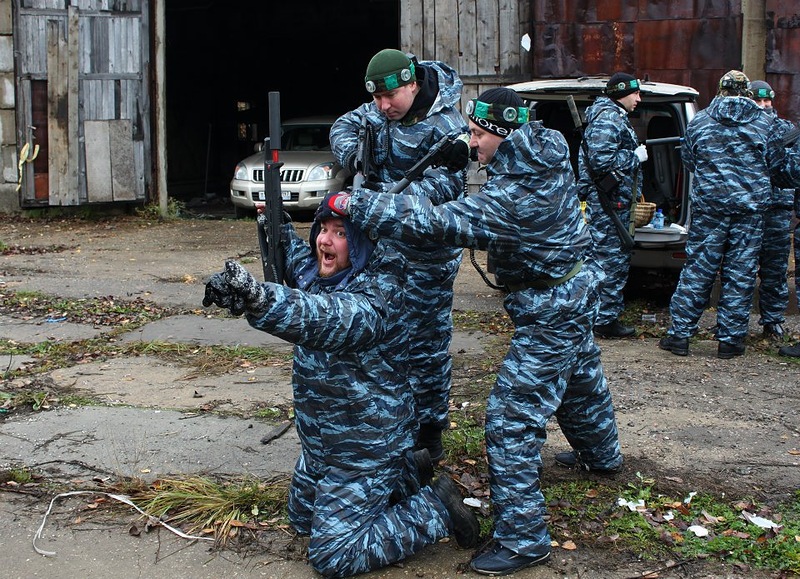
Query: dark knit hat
x,y
733,83
388,70
498,110
759,89
621,84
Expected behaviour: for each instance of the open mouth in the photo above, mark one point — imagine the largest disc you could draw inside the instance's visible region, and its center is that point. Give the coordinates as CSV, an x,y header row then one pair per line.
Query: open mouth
x,y
328,258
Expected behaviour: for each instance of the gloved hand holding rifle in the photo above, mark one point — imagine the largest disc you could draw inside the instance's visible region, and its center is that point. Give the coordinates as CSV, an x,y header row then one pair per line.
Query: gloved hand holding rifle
x,y
451,151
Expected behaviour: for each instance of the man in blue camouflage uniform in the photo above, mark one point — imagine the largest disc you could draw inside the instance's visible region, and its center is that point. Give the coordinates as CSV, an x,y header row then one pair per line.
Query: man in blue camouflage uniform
x,y
414,105
611,146
793,350
357,490
527,216
773,260
733,152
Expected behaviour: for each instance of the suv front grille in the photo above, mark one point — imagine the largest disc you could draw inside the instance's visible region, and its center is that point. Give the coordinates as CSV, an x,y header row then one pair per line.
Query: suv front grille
x,y
287,175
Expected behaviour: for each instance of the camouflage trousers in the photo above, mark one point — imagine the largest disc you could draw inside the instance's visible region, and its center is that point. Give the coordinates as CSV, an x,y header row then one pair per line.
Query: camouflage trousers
x,y
353,525
552,368
613,258
773,266
429,306
730,245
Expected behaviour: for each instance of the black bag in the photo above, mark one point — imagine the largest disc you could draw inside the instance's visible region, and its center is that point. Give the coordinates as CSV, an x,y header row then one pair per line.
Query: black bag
x,y
607,184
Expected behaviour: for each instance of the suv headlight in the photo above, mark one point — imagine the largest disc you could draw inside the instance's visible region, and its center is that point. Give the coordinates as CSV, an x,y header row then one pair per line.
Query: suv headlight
x,y
240,173
322,172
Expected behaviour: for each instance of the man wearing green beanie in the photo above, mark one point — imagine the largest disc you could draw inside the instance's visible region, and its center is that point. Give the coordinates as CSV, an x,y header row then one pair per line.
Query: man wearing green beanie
x,y
414,105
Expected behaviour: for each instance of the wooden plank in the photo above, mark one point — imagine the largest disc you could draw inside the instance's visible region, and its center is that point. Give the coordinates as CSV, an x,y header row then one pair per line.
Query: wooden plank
x,y
123,171
467,41
98,161
447,48
411,26
57,127
428,23
73,100
508,37
486,56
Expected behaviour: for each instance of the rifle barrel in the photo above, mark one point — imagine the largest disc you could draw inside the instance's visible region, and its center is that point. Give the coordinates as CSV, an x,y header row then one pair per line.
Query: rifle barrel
x,y
662,141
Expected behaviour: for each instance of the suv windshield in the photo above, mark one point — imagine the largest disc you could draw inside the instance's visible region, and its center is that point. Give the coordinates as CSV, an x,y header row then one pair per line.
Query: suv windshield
x,y
306,138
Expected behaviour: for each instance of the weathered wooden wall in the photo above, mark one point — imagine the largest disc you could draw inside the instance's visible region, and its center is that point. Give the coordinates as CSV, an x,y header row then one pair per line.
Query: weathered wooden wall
x,y
92,58
481,39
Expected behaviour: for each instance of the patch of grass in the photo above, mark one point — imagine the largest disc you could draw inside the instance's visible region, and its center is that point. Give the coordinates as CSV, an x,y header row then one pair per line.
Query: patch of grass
x,y
214,507
152,211
106,311
488,322
649,525
269,413
463,441
16,476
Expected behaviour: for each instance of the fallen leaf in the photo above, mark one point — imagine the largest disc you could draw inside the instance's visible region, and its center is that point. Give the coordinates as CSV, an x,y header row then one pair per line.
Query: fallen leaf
x,y
569,545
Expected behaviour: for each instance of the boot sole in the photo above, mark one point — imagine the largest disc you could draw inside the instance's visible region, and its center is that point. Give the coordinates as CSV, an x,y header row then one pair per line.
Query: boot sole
x,y
676,351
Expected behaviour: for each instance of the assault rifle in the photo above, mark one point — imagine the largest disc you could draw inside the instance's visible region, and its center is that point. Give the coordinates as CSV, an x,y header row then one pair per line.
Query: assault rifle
x,y
449,151
363,153
270,218
603,186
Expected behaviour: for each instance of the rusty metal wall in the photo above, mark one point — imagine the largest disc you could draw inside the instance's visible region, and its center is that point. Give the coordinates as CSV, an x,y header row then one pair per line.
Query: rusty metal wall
x,y
679,41
783,56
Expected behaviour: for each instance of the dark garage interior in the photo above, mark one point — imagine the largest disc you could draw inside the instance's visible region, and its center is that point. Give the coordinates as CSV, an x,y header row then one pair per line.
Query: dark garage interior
x,y
223,59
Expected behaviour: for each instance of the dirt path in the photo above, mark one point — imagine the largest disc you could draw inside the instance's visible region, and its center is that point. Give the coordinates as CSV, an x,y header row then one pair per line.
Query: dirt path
x,y
695,423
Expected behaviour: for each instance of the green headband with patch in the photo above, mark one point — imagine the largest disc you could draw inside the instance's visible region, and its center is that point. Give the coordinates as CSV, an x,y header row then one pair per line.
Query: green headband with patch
x,y
631,85
763,93
497,112
392,80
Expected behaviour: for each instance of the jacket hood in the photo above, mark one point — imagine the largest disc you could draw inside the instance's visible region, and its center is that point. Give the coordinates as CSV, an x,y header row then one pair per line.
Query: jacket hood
x,y
737,110
359,247
436,75
529,151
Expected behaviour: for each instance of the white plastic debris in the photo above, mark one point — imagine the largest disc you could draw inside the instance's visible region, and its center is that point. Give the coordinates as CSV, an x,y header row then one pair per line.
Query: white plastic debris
x,y
526,42
698,530
633,506
759,521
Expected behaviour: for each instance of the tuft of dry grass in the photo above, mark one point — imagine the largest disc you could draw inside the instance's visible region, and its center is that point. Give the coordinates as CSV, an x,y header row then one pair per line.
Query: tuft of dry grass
x,y
202,505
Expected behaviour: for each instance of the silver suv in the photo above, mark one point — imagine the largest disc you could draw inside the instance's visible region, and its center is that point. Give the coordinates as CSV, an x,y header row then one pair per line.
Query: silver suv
x,y
665,111
308,173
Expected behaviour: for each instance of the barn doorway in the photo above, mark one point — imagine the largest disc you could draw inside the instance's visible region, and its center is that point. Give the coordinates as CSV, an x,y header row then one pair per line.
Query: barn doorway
x,y
222,59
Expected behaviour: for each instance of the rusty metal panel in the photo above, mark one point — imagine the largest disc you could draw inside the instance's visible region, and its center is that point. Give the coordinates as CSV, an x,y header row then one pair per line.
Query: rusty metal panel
x,y
586,37
783,56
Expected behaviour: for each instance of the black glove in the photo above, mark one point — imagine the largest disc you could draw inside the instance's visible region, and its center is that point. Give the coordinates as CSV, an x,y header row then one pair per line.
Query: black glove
x,y
455,153
237,290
